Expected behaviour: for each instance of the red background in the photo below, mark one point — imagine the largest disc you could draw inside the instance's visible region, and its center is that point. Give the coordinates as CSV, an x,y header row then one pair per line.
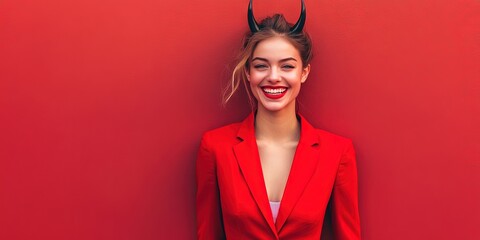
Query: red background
x,y
102,105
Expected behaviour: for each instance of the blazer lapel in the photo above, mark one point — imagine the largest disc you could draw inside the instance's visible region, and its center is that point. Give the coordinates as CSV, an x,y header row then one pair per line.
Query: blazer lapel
x,y
304,164
248,159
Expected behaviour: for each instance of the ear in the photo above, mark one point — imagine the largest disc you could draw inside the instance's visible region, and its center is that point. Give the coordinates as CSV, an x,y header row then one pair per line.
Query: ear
x,y
305,72
247,73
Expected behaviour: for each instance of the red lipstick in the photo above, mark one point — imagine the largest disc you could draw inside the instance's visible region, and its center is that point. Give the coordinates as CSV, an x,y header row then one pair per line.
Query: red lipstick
x,y
274,92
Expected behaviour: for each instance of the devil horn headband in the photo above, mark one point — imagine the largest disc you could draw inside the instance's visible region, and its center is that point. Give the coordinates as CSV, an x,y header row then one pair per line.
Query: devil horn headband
x,y
297,28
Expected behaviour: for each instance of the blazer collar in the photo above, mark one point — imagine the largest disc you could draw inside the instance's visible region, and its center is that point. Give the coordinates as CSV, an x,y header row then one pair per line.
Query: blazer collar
x,y
303,166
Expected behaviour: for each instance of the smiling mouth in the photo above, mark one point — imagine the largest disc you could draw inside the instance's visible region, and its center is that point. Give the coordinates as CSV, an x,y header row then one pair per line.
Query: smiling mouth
x,y
274,92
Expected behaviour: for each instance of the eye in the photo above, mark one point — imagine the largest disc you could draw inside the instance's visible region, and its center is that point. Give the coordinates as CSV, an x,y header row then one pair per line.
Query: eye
x,y
288,66
259,66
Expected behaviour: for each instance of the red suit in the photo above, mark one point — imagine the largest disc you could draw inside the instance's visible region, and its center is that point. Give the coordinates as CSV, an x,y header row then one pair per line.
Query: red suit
x,y
232,200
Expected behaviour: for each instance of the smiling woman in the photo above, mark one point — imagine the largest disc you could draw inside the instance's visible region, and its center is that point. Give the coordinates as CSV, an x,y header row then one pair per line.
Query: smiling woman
x,y
275,74
273,175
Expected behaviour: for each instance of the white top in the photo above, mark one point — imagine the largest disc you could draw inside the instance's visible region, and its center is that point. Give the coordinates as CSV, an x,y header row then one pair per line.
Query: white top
x,y
274,206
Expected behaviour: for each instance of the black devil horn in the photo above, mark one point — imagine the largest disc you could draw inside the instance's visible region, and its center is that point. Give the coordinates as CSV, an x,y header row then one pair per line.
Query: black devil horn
x,y
298,27
251,20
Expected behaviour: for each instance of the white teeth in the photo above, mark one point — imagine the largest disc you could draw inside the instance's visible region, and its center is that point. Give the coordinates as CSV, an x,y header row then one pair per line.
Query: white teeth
x,y
274,90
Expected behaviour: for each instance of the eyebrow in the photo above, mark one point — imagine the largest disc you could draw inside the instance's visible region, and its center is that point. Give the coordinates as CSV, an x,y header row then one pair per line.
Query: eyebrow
x,y
282,60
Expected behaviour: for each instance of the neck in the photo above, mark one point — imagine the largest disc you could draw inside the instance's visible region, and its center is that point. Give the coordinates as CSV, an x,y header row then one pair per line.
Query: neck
x,y
280,126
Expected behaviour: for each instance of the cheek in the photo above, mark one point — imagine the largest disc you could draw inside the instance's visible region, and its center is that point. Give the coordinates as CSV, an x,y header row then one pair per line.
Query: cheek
x,y
255,79
295,91
253,87
295,79
296,85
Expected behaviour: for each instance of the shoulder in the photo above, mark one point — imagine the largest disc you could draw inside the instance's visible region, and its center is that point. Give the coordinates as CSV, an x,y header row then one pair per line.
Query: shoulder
x,y
326,139
221,134
325,135
230,132
334,142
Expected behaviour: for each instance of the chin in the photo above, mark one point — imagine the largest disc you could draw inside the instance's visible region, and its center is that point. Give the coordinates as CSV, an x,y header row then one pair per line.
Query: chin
x,y
274,107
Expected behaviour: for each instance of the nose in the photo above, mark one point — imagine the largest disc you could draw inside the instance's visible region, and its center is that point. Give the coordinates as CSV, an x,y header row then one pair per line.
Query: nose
x,y
274,75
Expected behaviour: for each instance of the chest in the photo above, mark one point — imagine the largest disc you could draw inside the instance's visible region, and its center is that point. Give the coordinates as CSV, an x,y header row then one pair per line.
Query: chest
x,y
276,162
245,186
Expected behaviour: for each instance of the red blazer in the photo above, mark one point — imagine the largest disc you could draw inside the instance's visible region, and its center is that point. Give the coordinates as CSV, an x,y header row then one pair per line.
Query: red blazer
x,y
232,201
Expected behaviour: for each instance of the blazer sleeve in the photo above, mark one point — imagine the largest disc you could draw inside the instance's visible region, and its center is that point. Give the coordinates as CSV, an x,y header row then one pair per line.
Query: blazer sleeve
x,y
208,208
344,201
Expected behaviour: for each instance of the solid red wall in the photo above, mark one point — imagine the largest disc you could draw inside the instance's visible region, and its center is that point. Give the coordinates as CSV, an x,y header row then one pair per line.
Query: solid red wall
x,y
102,105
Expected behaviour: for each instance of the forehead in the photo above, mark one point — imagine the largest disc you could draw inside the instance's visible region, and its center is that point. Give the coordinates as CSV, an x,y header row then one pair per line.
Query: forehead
x,y
275,48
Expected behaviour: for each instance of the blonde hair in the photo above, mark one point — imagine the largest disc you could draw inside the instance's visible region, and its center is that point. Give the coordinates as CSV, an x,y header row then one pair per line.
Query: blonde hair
x,y
269,27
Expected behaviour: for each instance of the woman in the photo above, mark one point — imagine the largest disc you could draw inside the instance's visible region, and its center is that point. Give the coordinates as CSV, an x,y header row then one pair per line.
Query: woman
x,y
273,175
